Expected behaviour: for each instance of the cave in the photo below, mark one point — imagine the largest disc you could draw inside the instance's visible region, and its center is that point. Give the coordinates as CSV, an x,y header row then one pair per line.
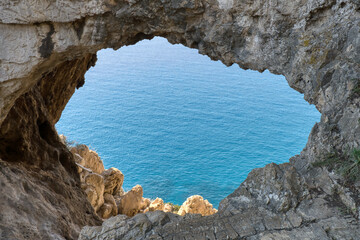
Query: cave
x,y
48,46
158,119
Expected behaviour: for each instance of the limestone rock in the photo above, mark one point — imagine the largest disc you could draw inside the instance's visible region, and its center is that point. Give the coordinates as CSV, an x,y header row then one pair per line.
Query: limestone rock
x,y
145,203
113,180
63,139
131,202
90,159
196,204
109,207
94,188
168,208
157,204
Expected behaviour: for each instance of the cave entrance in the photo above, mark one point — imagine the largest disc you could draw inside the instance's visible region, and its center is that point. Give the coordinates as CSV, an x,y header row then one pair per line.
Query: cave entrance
x,y
180,124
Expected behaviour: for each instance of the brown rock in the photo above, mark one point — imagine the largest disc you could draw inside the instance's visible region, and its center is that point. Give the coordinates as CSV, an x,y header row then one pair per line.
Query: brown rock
x,y
91,159
157,204
131,202
145,203
94,188
113,180
40,194
109,208
197,204
168,208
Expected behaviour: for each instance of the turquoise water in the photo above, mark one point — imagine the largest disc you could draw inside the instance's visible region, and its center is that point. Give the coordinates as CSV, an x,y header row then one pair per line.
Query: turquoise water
x,y
180,124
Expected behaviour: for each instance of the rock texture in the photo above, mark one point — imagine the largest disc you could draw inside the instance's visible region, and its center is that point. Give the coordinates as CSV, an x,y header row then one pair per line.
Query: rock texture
x,y
196,205
47,46
107,197
104,187
157,204
40,193
88,159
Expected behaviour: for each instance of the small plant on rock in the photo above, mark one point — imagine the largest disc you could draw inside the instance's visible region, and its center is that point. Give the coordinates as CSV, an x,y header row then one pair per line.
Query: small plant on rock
x,y
356,89
347,165
351,168
175,207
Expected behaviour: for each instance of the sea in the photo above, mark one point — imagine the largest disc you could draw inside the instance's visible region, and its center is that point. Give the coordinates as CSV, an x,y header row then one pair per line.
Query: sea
x,y
180,124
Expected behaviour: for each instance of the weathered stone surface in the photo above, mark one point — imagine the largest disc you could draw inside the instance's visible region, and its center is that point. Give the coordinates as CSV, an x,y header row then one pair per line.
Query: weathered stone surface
x,y
94,188
131,202
40,193
197,205
157,204
317,216
109,208
88,158
168,208
113,180
47,46
101,186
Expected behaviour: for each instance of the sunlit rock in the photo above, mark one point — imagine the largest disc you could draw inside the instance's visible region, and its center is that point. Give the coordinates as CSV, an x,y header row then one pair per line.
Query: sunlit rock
x,y
131,202
197,205
94,187
90,160
113,180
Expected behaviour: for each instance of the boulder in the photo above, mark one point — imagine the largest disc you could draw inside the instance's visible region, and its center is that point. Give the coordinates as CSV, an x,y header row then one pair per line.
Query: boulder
x,y
109,208
145,203
157,204
113,180
196,204
168,208
131,202
93,186
90,158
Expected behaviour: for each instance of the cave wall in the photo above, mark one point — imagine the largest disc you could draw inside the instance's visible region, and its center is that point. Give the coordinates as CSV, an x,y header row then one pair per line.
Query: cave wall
x,y
47,46
40,189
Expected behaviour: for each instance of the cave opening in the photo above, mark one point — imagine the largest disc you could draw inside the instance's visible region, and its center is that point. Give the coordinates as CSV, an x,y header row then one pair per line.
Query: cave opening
x,y
179,124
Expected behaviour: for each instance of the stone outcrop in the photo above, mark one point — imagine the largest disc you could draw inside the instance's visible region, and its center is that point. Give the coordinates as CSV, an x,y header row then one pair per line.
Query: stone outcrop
x,y
261,208
157,204
47,46
107,197
104,187
132,202
169,208
113,181
93,186
88,158
196,205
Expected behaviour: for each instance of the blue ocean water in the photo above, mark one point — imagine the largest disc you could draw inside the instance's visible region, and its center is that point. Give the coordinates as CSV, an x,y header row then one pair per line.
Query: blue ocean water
x,y
180,124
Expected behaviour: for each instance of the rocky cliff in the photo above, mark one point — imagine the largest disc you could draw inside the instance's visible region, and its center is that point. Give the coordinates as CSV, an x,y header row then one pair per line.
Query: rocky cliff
x,y
107,197
47,46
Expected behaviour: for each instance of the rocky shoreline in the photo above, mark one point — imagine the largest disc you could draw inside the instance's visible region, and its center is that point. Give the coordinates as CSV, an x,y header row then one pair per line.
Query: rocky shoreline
x,y
106,195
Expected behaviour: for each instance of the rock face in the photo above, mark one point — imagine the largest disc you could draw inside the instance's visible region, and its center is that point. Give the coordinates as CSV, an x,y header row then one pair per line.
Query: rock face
x,y
47,46
104,187
197,205
88,158
157,204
